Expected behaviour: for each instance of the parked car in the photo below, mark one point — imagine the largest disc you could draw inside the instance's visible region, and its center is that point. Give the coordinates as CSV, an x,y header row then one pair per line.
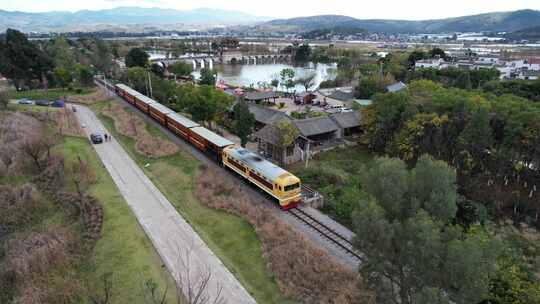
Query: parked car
x,y
25,101
96,138
42,102
346,110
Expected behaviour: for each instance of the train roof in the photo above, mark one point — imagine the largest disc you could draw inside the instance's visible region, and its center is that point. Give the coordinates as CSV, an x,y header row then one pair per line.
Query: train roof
x,y
129,90
212,137
143,98
161,108
182,120
257,163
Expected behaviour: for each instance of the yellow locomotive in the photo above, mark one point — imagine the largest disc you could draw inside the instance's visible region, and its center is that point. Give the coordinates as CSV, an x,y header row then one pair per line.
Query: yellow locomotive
x,y
274,180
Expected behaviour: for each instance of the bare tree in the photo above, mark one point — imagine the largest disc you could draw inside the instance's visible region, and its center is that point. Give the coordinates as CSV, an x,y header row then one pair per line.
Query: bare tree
x,y
35,148
194,283
306,81
83,175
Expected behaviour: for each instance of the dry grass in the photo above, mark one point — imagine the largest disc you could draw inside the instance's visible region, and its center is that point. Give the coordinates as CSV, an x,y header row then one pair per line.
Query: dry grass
x,y
130,125
302,271
38,252
97,95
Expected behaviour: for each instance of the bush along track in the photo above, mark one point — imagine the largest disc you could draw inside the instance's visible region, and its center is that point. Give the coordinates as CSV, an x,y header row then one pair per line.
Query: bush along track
x,y
302,271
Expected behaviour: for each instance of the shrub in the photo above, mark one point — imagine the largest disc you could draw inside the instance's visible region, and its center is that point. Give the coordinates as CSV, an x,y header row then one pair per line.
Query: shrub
x,y
281,105
301,270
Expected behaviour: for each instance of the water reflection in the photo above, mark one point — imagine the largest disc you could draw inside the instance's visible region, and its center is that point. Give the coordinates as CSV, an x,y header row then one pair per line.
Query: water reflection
x,y
261,74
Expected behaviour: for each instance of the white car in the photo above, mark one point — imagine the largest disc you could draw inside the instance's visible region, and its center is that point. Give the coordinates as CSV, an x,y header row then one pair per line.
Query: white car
x,y
346,110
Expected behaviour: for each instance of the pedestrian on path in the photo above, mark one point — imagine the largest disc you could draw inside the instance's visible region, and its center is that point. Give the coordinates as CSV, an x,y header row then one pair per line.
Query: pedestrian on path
x,y
106,138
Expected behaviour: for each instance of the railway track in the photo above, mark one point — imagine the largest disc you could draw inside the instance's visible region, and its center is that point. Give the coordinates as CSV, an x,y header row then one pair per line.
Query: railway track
x,y
327,232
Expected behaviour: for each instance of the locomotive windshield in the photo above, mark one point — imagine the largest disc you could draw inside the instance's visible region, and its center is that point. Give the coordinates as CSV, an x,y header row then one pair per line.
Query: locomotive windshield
x,y
292,187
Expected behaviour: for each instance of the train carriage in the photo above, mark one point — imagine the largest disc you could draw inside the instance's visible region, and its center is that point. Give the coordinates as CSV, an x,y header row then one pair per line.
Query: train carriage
x,y
208,141
159,112
143,102
127,93
280,184
274,180
180,125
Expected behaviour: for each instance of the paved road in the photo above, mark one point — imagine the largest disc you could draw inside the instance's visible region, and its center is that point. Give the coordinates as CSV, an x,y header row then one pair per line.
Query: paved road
x,y
182,250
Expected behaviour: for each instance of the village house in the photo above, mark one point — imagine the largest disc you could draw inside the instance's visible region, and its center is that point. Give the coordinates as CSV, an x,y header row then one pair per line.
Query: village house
x,y
314,134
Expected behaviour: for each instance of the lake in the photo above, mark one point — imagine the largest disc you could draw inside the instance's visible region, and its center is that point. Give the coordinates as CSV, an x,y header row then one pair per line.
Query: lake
x,y
256,75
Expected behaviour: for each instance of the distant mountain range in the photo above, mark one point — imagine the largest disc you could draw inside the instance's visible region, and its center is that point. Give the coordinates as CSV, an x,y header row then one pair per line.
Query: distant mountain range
x,y
122,18
494,22
137,19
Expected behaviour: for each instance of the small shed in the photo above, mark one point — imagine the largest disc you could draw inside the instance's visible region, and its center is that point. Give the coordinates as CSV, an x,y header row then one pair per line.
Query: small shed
x,y
265,116
349,123
261,96
317,129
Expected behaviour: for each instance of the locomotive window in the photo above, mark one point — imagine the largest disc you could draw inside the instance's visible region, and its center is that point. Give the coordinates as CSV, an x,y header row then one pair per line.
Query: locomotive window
x,y
292,187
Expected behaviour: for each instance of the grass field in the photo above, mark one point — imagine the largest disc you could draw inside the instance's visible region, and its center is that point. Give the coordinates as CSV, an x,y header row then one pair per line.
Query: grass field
x,y
336,175
124,250
51,94
229,236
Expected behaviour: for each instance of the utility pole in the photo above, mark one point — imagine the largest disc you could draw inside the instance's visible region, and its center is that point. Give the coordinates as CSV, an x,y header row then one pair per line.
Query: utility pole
x,y
307,153
150,84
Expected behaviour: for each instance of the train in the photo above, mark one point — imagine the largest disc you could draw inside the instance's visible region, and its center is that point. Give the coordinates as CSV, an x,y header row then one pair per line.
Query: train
x,y
280,184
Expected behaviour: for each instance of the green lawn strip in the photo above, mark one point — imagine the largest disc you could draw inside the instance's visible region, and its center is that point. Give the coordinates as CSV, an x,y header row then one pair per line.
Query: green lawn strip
x,y
32,108
51,94
124,250
336,175
228,236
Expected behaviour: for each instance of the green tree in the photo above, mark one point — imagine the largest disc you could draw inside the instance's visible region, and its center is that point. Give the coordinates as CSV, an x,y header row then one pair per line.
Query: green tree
x,y
437,52
62,54
286,133
208,77
136,57
463,81
303,53
138,79
205,103
102,57
287,78
367,87
244,122
157,70
477,137
274,83
181,69
22,61
62,77
416,55
413,253
85,76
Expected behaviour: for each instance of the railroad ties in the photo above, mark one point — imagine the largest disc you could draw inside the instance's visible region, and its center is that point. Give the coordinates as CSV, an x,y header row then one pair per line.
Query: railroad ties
x,y
325,231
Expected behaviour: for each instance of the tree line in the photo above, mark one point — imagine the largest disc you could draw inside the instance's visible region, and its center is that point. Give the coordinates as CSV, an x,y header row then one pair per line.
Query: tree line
x,y
51,63
492,141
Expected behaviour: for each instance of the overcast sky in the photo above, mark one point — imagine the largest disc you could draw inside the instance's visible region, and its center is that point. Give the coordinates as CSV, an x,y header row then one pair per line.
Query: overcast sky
x,y
393,9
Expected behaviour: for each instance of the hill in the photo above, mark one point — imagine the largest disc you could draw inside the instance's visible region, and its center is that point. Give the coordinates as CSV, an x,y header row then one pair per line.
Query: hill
x,y
495,22
531,34
121,16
